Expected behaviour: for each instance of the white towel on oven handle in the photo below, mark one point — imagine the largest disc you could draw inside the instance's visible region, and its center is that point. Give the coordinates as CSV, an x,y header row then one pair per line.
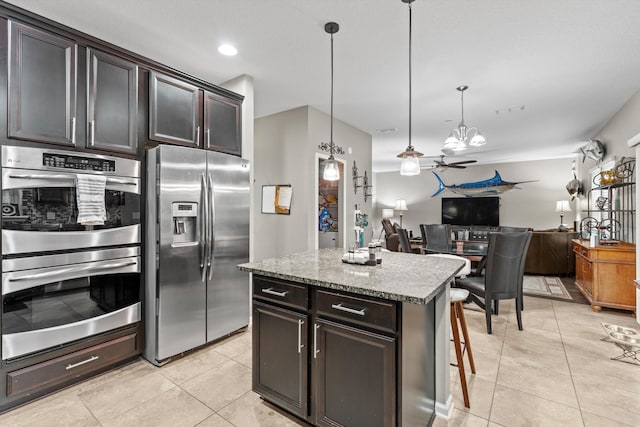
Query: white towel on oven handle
x,y
90,196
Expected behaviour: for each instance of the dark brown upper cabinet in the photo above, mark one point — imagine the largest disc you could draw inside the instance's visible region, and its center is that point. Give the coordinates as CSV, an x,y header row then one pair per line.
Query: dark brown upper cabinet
x,y
174,110
42,86
112,102
222,124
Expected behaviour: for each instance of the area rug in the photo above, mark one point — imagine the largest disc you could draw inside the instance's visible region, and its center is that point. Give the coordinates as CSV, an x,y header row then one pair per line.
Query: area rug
x,y
544,286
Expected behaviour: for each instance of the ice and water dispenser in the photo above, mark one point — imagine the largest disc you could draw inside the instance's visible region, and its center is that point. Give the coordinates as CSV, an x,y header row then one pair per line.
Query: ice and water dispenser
x,y
185,218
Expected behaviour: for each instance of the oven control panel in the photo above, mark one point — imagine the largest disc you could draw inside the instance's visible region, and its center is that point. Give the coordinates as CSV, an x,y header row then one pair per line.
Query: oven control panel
x,y
66,161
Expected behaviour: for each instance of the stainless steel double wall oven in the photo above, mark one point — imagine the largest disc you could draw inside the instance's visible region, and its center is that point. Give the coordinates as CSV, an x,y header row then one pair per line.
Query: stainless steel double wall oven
x,y
63,281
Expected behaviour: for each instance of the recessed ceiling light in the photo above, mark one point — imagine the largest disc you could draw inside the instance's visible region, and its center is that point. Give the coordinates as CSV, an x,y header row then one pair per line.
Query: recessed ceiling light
x,y
389,130
227,49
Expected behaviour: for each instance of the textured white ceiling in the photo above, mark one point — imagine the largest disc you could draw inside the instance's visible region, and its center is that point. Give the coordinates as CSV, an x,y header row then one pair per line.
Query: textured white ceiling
x,y
571,63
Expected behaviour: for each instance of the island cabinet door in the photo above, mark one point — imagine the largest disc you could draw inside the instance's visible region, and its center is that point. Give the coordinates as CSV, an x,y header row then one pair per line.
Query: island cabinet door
x,y
353,376
280,357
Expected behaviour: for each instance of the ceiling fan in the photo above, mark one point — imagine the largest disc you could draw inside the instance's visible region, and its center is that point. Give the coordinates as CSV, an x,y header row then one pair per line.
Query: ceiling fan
x,y
441,164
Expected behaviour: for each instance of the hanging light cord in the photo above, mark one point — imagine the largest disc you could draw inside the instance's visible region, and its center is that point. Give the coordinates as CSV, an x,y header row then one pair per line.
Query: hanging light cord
x,y
331,126
462,106
410,76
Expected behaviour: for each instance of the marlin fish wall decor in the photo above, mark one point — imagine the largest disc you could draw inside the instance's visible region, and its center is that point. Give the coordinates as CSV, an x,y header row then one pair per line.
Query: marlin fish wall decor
x,y
486,187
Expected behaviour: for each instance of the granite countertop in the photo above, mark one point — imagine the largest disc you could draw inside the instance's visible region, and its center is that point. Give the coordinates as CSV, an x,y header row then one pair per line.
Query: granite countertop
x,y
401,277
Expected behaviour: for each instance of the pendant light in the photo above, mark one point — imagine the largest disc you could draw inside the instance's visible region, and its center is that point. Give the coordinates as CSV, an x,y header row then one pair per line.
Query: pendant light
x,y
331,171
410,164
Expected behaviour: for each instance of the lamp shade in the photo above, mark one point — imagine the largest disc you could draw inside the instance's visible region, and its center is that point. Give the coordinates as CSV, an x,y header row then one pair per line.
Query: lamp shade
x,y
387,213
410,166
401,205
331,170
563,206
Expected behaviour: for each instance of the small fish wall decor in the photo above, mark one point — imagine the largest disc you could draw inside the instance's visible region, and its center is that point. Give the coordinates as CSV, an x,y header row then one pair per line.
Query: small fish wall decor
x,y
491,186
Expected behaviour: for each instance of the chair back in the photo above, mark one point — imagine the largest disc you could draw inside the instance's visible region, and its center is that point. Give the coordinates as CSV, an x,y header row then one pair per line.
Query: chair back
x,y
388,228
405,246
436,238
505,265
507,229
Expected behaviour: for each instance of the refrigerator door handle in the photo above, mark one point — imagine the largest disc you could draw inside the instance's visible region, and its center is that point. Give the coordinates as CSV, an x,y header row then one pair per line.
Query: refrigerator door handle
x,y
204,220
212,225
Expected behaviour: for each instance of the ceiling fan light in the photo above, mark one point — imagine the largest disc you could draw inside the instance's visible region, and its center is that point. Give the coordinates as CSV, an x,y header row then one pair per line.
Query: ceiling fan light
x,y
410,166
331,171
478,140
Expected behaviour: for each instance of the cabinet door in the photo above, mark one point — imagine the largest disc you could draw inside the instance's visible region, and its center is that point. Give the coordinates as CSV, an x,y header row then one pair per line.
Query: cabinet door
x,y
280,357
174,110
354,376
42,86
112,103
222,124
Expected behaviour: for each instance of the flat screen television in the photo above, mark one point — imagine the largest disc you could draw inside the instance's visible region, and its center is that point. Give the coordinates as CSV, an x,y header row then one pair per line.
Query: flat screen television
x,y
482,211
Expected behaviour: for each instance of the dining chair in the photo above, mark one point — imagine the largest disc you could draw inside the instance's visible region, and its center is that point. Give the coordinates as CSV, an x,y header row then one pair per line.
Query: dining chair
x,y
458,324
390,235
436,238
405,246
503,277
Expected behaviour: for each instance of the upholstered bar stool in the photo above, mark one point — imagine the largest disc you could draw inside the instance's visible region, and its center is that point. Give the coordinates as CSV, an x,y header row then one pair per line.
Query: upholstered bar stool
x,y
458,323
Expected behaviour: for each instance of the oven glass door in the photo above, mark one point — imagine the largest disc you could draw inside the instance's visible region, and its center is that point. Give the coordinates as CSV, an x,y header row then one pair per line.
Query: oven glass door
x,y
38,206
50,306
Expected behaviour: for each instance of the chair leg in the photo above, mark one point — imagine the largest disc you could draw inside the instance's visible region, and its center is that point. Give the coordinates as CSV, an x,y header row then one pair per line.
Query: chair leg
x,y
465,334
456,344
518,312
487,315
495,305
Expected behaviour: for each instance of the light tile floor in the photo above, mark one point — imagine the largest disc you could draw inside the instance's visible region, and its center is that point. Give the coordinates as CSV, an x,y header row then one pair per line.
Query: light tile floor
x,y
556,372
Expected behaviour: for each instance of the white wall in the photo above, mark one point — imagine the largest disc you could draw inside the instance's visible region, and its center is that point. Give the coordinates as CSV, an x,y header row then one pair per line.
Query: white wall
x,y
285,151
532,205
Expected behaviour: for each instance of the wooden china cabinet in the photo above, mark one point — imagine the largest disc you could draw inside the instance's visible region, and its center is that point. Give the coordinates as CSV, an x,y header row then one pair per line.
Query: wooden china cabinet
x,y
605,274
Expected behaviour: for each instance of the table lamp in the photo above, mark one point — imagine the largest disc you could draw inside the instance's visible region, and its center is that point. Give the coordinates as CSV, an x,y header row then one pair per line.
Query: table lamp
x,y
387,213
562,206
401,205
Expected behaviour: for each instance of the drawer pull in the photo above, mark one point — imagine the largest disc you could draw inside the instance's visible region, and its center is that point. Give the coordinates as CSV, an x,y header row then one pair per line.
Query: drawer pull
x,y
300,345
75,365
270,291
347,309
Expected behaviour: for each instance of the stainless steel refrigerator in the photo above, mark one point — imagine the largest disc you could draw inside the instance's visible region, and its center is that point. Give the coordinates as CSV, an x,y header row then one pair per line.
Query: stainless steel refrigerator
x,y
197,233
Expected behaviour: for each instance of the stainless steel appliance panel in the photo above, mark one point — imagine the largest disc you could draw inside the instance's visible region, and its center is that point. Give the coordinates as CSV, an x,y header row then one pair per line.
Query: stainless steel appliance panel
x,y
227,287
177,316
27,263
19,242
14,345
31,158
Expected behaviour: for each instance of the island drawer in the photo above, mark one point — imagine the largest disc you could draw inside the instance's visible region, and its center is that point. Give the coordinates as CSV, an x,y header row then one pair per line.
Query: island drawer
x,y
372,313
281,292
62,369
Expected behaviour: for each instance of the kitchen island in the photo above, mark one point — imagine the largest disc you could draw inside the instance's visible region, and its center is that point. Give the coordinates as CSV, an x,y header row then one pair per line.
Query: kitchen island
x,y
345,344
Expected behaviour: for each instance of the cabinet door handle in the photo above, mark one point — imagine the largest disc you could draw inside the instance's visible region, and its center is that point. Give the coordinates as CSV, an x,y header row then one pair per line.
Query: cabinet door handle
x,y
75,365
93,132
270,291
197,135
315,341
208,133
300,345
347,309
73,130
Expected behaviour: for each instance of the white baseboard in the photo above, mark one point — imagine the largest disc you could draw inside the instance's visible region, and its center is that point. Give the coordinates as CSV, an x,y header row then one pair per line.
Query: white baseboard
x,y
445,410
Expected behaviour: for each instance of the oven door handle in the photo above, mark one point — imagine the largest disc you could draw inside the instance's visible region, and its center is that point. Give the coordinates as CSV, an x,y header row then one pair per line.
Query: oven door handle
x,y
73,270
70,177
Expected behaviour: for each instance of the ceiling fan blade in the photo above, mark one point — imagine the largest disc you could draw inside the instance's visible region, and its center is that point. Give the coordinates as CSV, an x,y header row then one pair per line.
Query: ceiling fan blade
x,y
455,166
463,162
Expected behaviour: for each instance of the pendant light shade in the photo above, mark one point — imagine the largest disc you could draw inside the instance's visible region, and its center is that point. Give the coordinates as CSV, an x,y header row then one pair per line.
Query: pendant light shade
x,y
410,164
331,171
